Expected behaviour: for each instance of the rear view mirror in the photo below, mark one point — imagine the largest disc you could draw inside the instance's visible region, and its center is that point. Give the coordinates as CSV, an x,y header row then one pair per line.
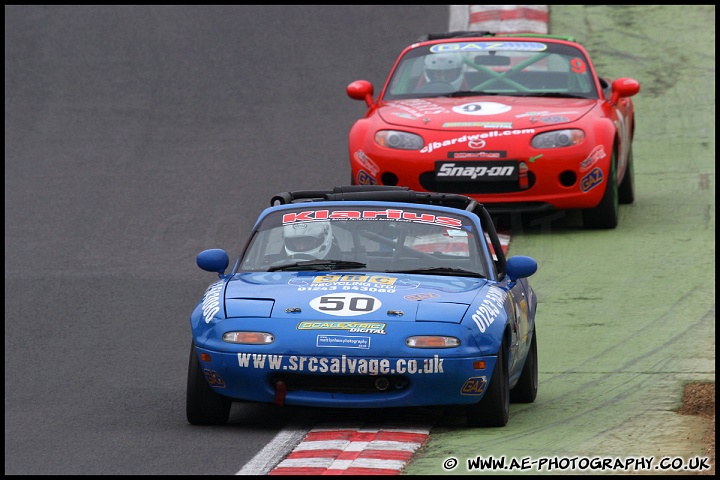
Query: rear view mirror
x,y
492,60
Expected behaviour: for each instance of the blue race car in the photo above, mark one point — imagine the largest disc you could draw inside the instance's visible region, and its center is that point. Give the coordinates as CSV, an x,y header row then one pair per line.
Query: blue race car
x,y
366,297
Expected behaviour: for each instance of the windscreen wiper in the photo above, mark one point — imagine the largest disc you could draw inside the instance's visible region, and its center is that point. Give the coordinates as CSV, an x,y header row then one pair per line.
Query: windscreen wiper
x,y
439,271
470,93
547,94
318,265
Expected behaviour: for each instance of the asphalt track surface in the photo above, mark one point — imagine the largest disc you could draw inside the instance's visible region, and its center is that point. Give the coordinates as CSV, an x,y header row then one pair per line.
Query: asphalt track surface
x,y
137,136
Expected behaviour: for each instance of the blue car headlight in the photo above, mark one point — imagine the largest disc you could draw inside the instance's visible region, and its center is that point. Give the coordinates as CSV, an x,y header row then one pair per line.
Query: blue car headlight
x,y
249,338
432,341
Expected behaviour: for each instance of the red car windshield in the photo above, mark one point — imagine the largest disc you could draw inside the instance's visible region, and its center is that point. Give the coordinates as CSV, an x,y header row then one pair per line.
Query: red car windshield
x,y
493,67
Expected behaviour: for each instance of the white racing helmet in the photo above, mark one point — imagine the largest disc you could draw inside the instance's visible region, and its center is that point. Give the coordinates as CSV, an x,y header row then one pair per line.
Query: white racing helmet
x,y
310,238
444,67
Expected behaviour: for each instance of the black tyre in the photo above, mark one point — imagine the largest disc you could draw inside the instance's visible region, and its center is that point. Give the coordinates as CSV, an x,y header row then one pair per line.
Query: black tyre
x,y
525,391
605,215
626,190
494,408
204,406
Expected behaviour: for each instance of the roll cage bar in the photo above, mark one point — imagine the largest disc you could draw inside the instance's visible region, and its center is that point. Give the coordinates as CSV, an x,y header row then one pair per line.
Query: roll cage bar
x,y
386,193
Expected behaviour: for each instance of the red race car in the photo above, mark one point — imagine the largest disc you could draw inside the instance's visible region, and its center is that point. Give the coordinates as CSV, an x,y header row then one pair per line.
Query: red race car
x,y
520,123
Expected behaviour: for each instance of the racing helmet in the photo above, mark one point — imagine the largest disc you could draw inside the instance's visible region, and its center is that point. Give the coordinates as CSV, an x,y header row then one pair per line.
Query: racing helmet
x,y
309,238
444,67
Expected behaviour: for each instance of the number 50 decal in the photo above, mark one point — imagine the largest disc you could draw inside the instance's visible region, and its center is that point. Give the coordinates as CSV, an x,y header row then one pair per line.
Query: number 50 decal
x,y
345,304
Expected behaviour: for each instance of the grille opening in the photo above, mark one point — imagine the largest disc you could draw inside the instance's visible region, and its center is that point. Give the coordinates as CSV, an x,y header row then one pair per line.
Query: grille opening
x,y
342,383
389,178
568,178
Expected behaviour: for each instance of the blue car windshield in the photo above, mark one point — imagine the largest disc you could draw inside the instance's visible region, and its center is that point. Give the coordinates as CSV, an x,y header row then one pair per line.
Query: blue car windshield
x,y
493,67
366,238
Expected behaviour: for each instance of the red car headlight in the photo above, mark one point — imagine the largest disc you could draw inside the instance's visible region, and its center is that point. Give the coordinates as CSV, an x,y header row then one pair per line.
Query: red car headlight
x,y
558,138
399,140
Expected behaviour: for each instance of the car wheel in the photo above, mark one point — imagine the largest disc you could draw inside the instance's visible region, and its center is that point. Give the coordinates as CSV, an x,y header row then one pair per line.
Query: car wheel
x,y
526,388
493,410
626,190
605,215
204,406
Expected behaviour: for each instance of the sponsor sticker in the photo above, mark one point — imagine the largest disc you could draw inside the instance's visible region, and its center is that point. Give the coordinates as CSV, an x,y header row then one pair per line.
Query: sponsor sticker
x,y
343,364
475,155
555,119
477,124
421,296
468,171
481,108
353,327
474,386
489,309
389,214
488,46
476,141
214,378
343,341
364,178
361,157
591,180
597,154
211,300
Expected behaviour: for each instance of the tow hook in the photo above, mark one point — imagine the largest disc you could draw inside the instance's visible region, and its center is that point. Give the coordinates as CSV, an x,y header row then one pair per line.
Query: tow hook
x,y
280,392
